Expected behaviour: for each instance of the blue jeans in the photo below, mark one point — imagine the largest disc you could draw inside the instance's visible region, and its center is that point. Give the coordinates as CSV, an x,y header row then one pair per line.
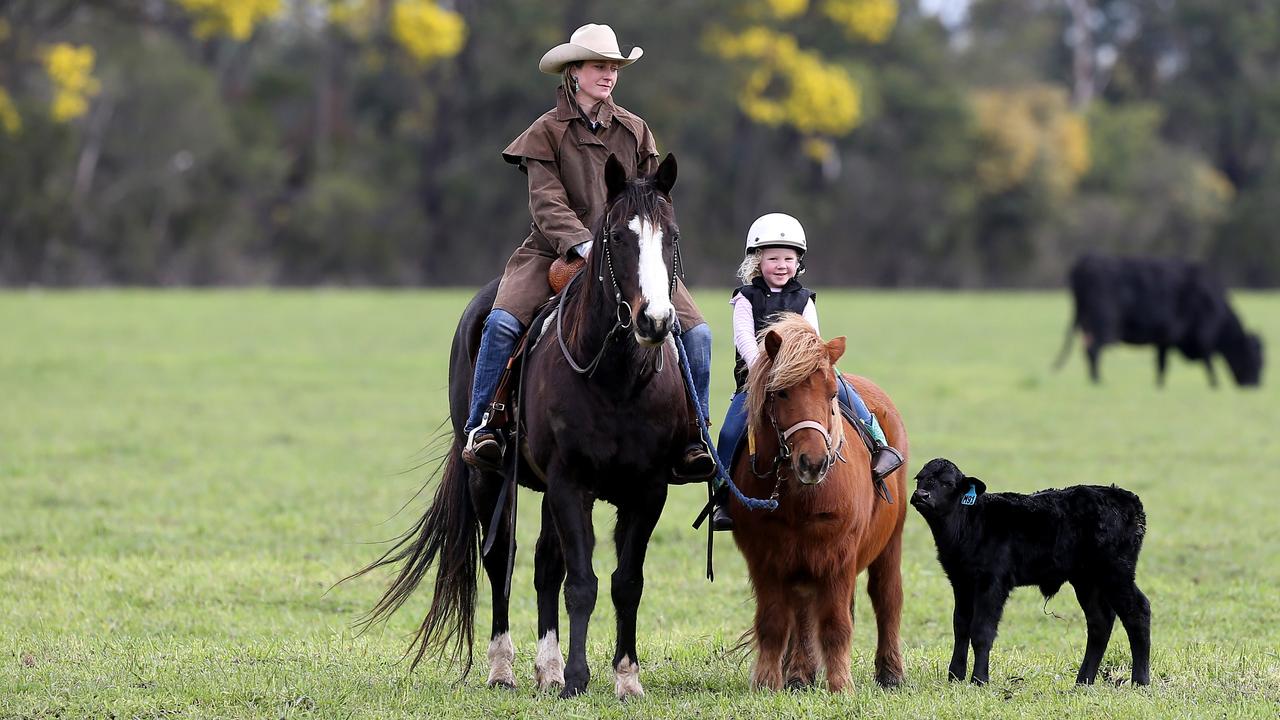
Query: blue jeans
x,y
497,342
697,348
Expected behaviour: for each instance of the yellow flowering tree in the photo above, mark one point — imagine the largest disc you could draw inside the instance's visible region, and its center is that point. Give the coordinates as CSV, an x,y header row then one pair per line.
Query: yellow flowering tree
x,y
1030,130
785,84
234,18
427,31
70,69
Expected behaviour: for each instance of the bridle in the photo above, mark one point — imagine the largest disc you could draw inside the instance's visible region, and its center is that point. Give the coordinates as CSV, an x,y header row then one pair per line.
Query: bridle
x,y
784,444
621,322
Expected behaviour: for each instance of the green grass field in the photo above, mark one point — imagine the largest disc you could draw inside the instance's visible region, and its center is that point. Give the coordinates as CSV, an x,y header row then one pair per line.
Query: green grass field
x,y
184,475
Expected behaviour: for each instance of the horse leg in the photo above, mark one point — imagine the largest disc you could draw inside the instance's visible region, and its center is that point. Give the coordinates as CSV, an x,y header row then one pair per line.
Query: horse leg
x,y
884,585
548,576
501,654
773,627
800,664
833,613
1100,618
636,521
571,510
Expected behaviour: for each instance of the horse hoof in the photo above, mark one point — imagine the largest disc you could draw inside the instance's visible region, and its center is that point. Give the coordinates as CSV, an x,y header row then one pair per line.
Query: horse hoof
x,y
571,692
503,684
626,682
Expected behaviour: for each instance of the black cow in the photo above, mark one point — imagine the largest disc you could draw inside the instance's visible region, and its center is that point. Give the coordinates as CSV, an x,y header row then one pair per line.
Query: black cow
x,y
990,543
1166,303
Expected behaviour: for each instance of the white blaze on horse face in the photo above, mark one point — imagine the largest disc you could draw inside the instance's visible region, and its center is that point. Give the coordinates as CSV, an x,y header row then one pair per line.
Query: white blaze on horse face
x,y
655,278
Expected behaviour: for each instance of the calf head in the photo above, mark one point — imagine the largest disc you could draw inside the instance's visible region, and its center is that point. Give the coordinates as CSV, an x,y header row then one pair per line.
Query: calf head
x,y
941,489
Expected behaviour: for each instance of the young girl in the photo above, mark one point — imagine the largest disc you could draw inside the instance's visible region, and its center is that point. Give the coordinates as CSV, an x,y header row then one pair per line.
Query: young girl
x,y
563,152
775,246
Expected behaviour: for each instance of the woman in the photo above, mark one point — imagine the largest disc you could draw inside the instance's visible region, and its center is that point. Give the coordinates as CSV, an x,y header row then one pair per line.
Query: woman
x,y
563,153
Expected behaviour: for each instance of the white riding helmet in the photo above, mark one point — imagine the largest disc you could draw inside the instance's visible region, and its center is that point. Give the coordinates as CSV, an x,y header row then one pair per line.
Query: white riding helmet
x,y
776,230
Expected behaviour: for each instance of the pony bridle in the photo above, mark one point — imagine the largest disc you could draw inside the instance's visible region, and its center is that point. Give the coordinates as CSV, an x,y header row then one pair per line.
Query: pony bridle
x,y
784,442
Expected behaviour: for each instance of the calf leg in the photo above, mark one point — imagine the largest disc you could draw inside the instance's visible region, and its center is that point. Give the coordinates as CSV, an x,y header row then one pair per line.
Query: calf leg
x,y
961,618
1135,613
988,605
571,510
773,627
548,576
884,585
1100,618
631,539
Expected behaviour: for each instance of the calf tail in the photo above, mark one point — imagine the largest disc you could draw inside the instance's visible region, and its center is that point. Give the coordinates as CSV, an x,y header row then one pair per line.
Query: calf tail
x,y
1133,521
1066,343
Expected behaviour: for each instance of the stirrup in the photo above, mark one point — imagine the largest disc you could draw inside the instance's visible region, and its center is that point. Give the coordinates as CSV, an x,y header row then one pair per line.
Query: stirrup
x,y
702,465
884,461
480,456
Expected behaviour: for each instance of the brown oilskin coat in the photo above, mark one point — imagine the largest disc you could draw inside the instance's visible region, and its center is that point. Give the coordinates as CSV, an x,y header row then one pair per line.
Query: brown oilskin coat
x,y
565,164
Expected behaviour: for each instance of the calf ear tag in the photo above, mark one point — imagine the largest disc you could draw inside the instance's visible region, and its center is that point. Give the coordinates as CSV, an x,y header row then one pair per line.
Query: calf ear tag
x,y
970,496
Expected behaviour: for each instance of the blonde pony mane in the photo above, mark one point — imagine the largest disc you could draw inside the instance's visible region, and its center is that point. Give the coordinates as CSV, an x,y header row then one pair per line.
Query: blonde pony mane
x,y
802,354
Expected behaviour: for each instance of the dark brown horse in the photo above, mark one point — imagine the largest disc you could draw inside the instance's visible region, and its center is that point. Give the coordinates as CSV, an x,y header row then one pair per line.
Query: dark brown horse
x,y
606,416
805,556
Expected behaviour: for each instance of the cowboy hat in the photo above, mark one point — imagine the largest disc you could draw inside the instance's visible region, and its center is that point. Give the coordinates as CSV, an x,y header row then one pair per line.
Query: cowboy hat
x,y
589,42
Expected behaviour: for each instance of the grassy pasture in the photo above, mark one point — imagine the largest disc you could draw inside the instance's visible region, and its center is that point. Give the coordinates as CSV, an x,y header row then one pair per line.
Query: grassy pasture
x,y
184,474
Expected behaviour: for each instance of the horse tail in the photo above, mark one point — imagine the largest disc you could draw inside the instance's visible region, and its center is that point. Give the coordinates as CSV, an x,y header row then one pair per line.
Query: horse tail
x,y
448,536
1066,342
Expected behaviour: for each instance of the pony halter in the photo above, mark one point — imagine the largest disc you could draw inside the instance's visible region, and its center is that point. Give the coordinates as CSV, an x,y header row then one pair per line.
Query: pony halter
x,y
784,442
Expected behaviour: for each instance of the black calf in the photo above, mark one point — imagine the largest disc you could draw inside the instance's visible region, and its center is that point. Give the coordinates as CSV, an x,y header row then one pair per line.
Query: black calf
x,y
988,544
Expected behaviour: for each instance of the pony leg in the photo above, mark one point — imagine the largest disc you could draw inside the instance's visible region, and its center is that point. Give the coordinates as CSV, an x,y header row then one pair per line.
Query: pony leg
x,y
884,585
833,612
1101,619
571,510
548,576
773,627
501,653
800,664
631,536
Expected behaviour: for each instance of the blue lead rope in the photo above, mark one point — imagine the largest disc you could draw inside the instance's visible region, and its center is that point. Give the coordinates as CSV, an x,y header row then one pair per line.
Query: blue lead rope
x,y
721,473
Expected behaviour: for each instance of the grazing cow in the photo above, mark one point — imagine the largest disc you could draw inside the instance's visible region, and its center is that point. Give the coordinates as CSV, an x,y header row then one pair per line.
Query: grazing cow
x,y
1166,303
988,544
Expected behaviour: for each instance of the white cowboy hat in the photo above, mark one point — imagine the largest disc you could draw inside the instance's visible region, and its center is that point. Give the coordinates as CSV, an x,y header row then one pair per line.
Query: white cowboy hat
x,y
589,42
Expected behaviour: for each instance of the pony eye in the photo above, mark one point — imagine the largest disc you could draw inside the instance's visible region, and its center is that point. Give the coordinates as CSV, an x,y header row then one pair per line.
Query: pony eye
x,y
782,394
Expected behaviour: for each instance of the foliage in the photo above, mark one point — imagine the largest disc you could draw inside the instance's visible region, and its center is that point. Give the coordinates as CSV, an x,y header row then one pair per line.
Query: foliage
x,y
70,70
235,18
1030,129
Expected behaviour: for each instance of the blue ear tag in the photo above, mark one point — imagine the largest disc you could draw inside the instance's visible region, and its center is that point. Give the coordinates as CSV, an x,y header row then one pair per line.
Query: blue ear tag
x,y
970,496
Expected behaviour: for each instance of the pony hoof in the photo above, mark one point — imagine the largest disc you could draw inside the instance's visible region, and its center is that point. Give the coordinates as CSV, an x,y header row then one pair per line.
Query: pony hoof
x,y
889,681
799,684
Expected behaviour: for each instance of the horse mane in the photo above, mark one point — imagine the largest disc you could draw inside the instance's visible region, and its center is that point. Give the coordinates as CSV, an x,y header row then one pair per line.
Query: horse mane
x,y
802,354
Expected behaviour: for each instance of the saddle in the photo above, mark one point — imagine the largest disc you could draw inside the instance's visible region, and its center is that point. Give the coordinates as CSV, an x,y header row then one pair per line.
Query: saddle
x,y
558,276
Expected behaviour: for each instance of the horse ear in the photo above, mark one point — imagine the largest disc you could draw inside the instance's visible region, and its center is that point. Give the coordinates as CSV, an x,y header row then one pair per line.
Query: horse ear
x,y
772,343
615,177
665,177
835,349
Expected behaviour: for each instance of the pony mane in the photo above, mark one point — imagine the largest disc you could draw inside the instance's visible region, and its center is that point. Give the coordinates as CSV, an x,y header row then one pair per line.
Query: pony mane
x,y
802,354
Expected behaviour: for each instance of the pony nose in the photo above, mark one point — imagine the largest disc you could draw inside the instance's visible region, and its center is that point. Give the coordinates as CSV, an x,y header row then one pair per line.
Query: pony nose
x,y
809,471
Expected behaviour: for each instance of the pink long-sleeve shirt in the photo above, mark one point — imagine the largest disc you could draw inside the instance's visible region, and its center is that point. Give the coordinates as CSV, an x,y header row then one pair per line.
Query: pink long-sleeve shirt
x,y
744,326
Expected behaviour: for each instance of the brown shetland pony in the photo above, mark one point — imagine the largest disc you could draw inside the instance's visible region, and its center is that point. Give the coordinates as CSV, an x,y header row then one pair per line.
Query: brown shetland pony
x,y
830,525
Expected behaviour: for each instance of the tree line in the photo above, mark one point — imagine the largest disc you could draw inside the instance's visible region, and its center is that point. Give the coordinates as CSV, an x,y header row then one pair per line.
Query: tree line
x,y
298,142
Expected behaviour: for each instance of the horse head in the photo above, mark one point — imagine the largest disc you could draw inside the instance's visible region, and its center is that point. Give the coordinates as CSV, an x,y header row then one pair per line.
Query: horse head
x,y
638,247
791,389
